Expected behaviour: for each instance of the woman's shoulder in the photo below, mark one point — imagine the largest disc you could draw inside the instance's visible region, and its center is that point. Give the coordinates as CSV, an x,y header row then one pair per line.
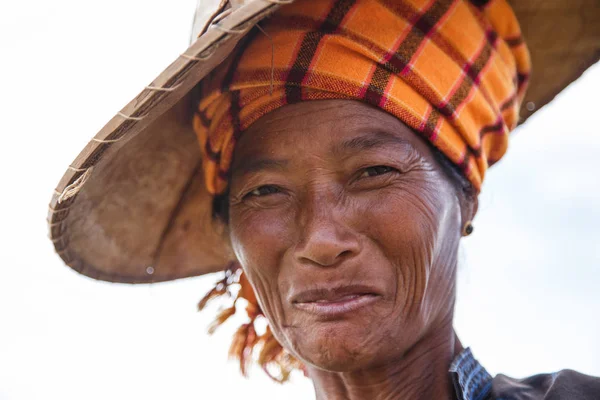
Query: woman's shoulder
x,y
565,384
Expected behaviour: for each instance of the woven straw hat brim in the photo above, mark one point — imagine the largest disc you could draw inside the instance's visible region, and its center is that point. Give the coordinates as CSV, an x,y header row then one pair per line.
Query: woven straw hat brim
x,y
133,207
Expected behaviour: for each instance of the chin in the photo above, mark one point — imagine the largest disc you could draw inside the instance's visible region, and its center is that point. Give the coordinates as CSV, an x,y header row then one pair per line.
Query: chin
x,y
337,349
342,359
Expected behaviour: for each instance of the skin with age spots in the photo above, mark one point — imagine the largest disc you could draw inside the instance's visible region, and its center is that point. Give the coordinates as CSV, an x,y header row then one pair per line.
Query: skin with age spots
x,y
348,230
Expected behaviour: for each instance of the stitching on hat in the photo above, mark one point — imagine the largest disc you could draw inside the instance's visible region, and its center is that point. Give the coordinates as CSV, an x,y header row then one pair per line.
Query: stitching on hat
x,y
162,89
230,31
50,208
222,15
203,56
55,239
106,140
71,168
51,224
74,188
128,117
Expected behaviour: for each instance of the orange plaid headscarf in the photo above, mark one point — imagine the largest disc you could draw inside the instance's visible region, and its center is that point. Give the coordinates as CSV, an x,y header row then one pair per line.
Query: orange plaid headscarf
x,y
454,71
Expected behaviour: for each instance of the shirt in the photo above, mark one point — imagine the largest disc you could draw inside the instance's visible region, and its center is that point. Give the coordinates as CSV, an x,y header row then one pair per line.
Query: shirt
x,y
473,382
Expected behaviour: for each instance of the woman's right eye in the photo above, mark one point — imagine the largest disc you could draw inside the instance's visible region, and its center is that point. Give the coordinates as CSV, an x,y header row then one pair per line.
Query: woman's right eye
x,y
264,190
376,171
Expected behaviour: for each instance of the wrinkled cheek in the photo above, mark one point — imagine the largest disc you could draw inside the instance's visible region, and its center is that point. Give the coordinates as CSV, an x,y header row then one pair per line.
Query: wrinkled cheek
x,y
269,297
267,293
429,276
246,238
258,246
408,235
418,268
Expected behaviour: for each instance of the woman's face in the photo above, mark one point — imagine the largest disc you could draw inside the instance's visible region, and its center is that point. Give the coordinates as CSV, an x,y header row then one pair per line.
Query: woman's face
x,y
347,229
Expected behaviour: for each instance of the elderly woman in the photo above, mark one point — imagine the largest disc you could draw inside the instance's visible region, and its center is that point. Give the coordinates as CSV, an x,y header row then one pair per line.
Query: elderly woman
x,y
343,146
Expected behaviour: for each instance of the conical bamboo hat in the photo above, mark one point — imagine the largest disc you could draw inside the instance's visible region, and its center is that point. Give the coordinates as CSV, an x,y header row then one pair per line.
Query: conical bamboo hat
x,y
132,207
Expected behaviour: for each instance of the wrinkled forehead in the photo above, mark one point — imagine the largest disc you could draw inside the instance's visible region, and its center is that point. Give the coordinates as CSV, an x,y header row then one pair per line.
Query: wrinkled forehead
x,y
330,126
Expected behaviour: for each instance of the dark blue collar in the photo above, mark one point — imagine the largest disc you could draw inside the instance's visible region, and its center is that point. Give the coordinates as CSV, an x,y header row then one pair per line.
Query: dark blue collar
x,y
471,380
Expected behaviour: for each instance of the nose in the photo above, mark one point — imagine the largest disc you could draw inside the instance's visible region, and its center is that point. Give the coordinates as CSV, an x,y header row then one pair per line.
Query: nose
x,y
326,238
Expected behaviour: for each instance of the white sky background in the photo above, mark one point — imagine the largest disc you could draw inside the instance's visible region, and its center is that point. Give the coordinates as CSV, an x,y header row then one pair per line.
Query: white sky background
x,y
529,279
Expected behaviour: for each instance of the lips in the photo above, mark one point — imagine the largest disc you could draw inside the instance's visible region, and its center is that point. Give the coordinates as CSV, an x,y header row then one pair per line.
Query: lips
x,y
334,301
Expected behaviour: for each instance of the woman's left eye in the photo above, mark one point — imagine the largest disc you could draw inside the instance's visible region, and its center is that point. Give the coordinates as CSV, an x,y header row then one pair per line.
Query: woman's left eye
x,y
376,170
262,191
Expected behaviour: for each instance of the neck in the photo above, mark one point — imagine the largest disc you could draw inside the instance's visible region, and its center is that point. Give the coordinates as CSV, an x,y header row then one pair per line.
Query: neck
x,y
420,373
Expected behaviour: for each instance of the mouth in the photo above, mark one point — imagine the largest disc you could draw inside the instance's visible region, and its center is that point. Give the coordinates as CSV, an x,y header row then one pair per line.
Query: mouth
x,y
335,301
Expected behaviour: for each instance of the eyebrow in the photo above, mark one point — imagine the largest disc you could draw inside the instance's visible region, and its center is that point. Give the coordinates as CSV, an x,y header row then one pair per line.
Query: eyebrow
x,y
248,166
370,141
